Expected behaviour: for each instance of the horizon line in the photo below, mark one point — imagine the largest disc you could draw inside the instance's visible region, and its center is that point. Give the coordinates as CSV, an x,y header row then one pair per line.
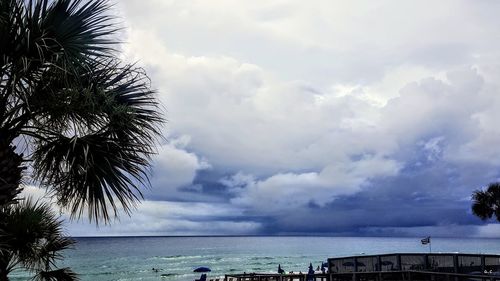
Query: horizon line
x,y
270,235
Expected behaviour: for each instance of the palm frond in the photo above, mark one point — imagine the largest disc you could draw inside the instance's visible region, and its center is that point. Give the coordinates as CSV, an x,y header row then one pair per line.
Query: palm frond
x,y
63,274
486,203
24,224
102,96
42,35
33,234
73,30
481,205
50,250
80,29
94,120
91,172
96,135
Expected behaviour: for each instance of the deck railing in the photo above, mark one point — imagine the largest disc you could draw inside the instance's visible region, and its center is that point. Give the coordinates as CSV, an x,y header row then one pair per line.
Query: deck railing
x,y
400,266
409,275
432,262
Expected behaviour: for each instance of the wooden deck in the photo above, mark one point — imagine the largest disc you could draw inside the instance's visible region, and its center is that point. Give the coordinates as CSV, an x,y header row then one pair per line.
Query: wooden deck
x,y
409,275
398,266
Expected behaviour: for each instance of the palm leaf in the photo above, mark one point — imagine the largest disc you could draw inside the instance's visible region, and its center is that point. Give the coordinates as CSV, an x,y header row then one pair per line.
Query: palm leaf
x,y
96,133
100,96
39,36
63,274
91,172
33,235
72,30
93,121
486,203
481,205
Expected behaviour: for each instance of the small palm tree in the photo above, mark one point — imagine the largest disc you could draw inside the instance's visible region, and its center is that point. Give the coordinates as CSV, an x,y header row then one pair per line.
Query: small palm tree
x,y
487,203
87,122
32,239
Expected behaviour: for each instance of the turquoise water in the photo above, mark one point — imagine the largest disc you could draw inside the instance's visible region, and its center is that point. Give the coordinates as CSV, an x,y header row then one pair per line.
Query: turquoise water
x,y
132,258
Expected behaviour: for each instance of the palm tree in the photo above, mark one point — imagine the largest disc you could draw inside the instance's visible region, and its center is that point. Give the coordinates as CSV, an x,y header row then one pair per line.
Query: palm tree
x,y
86,122
33,240
487,203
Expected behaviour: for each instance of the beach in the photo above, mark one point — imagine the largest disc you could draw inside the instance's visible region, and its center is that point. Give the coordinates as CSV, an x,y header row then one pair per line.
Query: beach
x,y
133,258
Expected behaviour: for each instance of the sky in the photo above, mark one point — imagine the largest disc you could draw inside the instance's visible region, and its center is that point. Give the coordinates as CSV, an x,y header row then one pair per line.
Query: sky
x,y
348,118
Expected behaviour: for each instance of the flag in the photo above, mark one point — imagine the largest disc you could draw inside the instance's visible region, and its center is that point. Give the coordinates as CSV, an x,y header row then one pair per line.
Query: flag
x,y
426,240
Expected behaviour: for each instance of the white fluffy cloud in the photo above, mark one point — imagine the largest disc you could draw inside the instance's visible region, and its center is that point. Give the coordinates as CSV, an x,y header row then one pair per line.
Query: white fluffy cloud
x,y
242,119
172,218
174,167
37,194
293,104
159,218
289,191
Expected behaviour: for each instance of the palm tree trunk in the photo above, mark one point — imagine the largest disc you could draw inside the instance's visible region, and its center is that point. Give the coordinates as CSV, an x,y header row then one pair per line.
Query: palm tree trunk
x,y
11,171
3,272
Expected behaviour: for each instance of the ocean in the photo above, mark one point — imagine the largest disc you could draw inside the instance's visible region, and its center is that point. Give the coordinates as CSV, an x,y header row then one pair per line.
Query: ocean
x,y
132,258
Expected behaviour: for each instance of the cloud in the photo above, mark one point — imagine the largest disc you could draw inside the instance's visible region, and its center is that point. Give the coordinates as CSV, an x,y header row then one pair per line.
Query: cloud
x,y
36,193
209,98
172,218
354,118
160,218
449,230
490,230
174,169
289,191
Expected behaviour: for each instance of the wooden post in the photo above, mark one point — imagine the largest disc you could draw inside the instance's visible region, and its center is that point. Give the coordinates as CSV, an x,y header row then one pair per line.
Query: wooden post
x,y
455,265
483,263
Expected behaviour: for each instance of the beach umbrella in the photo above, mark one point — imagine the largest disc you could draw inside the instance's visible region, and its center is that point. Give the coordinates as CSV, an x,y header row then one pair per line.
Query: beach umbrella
x,y
202,269
311,269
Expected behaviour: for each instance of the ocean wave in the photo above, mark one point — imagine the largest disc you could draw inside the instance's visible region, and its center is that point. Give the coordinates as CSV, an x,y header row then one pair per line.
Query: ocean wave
x,y
99,273
178,257
169,274
262,258
174,256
